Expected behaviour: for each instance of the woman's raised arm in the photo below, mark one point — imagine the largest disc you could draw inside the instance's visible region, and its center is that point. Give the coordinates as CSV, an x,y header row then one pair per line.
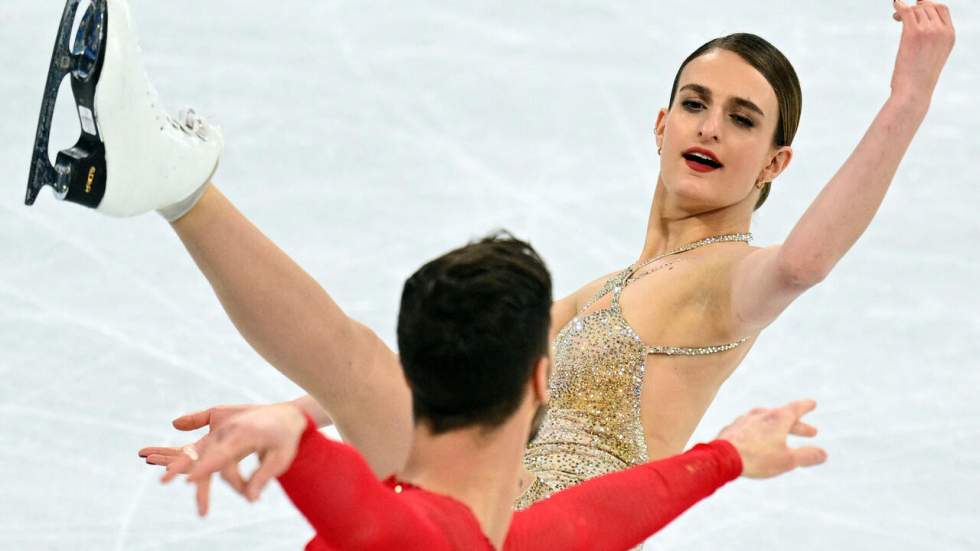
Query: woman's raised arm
x,y
765,282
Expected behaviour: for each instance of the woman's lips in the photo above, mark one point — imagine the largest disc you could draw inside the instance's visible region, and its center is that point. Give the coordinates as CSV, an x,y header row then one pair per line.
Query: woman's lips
x,y
701,160
699,167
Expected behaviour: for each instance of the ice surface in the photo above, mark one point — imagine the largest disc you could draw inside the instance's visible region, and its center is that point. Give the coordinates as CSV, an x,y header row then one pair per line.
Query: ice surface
x,y
365,137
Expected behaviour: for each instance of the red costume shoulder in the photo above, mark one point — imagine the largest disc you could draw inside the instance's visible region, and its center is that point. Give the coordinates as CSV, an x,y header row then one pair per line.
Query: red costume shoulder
x,y
335,489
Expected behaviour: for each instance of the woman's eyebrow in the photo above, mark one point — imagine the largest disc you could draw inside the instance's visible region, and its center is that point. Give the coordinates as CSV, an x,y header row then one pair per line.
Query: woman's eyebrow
x,y
705,92
746,104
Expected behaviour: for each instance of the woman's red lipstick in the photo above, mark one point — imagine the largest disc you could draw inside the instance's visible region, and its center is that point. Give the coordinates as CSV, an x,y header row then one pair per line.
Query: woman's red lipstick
x,y
701,160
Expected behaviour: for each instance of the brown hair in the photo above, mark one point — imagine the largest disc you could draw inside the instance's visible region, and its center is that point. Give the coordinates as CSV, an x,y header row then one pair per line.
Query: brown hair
x,y
774,66
472,325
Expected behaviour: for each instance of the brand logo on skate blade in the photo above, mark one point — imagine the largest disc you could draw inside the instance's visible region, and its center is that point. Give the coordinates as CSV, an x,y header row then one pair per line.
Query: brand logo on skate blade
x,y
88,182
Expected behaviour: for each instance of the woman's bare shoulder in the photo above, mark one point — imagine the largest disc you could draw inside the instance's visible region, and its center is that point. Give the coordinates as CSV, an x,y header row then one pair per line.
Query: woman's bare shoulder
x,y
587,291
717,266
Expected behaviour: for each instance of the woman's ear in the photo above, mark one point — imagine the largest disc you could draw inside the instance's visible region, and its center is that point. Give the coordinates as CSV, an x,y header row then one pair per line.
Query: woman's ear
x,y
658,132
777,164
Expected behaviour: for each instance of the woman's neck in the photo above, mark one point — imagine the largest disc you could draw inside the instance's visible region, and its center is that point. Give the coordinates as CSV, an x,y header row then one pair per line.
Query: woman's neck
x,y
669,227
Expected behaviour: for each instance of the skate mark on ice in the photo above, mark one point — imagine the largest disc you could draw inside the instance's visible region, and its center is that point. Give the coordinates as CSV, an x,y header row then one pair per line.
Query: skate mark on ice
x,y
212,530
130,512
110,265
129,341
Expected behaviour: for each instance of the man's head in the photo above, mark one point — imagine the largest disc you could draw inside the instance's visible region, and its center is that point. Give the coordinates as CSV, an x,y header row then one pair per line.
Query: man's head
x,y
472,329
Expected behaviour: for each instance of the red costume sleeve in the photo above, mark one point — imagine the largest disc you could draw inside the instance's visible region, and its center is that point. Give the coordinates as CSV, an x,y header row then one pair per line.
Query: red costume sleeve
x,y
335,489
620,510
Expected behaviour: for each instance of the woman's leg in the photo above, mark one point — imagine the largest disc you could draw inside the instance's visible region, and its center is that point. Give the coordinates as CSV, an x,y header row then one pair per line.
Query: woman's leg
x,y
288,318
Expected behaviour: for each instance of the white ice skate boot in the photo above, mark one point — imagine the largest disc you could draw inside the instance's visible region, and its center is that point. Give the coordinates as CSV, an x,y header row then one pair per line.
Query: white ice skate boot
x,y
132,157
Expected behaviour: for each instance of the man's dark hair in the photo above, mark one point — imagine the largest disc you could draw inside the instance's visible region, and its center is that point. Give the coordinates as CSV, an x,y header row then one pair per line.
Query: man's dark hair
x,y
472,325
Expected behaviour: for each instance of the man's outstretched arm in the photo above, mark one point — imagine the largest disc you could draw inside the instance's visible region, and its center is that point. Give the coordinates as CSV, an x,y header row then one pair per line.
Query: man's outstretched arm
x,y
329,482
618,511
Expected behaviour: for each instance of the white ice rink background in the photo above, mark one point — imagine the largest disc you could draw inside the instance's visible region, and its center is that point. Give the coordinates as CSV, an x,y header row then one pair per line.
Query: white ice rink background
x,y
365,137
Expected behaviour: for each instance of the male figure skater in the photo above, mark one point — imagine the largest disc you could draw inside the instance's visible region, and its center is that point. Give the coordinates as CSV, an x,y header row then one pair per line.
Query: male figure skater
x,y
473,335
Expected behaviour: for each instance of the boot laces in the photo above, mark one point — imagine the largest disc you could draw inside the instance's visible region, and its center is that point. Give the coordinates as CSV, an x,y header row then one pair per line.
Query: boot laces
x,y
191,123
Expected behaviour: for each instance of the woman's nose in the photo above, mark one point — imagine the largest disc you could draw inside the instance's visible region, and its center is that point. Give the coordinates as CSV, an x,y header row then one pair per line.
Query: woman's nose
x,y
710,127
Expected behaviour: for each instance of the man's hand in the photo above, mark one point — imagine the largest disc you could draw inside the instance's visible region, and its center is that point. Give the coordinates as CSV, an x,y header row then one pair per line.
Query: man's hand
x,y
760,438
212,418
271,431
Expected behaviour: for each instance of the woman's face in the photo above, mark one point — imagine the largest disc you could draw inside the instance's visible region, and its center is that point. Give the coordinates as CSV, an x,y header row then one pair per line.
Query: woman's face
x,y
717,138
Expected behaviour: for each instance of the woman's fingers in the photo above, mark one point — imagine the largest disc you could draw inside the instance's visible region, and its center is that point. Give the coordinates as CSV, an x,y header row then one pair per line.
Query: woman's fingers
x,y
936,15
928,12
901,9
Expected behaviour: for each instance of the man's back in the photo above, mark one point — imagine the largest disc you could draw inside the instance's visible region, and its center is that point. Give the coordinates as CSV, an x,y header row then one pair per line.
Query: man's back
x,y
349,508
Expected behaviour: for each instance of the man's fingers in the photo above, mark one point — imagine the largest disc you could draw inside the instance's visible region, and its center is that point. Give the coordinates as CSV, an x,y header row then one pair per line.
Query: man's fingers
x,y
193,421
808,456
233,477
203,493
179,465
803,429
273,464
161,460
799,408
155,450
215,459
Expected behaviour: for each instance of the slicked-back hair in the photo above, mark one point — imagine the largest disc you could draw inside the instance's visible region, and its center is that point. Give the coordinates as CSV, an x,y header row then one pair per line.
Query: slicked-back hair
x,y
768,60
472,325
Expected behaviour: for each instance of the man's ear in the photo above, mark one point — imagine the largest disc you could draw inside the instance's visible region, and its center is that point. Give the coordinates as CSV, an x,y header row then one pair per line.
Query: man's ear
x,y
539,380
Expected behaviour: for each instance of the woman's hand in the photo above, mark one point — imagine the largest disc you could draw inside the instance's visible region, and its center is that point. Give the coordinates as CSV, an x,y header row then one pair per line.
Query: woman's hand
x,y
271,431
927,40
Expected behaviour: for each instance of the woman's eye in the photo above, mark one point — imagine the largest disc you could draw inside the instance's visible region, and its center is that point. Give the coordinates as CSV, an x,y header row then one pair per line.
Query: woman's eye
x,y
692,105
743,121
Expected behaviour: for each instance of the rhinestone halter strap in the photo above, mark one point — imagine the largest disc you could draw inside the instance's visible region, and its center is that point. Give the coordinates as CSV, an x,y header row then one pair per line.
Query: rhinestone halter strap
x,y
726,238
704,350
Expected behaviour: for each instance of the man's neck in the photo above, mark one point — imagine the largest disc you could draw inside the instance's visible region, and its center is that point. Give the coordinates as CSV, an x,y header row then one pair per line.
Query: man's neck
x,y
481,469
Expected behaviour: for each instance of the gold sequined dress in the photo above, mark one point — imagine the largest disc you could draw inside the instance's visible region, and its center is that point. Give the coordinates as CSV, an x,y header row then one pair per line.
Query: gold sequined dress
x,y
593,422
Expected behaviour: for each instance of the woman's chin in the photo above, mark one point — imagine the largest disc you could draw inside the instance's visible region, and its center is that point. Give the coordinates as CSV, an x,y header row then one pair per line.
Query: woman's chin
x,y
699,201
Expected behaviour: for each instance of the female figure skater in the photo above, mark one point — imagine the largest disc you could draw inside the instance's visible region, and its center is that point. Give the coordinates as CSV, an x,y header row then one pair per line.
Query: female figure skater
x,y
639,354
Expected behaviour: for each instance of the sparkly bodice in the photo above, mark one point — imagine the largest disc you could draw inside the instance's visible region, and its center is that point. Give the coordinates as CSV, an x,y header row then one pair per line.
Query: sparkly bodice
x,y
593,423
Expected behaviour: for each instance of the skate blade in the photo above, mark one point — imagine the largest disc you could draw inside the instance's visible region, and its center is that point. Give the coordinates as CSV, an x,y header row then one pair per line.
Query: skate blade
x,y
79,172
